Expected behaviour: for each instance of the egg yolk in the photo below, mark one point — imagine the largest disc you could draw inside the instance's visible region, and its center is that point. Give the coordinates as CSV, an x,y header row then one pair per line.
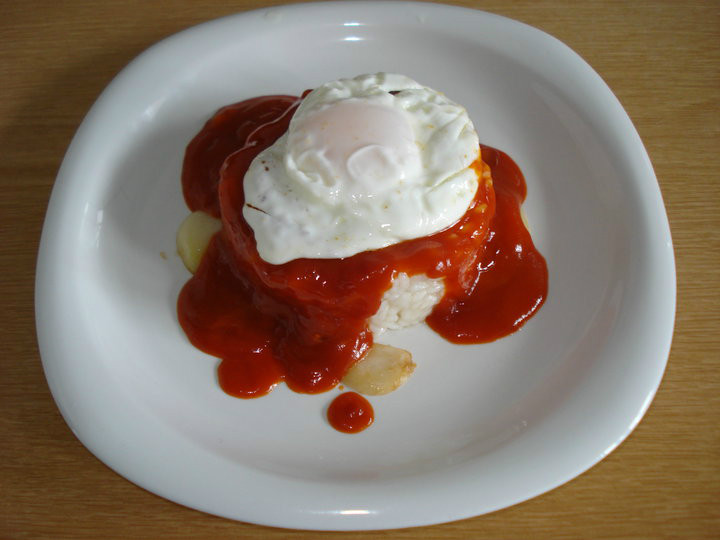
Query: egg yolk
x,y
362,146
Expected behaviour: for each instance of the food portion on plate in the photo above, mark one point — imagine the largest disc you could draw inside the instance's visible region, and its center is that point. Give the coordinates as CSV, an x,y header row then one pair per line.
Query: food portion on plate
x,y
320,222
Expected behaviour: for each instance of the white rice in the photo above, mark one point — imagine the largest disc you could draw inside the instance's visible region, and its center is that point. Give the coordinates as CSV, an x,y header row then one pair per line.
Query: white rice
x,y
407,302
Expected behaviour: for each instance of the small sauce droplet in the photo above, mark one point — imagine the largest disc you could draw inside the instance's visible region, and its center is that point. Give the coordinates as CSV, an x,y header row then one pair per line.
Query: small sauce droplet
x,y
350,413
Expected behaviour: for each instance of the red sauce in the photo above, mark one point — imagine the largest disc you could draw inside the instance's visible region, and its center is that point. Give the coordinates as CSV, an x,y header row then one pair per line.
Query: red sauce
x,y
350,413
229,130
304,321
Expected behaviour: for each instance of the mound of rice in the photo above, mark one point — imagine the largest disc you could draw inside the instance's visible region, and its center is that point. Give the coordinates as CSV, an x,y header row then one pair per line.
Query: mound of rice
x,y
408,301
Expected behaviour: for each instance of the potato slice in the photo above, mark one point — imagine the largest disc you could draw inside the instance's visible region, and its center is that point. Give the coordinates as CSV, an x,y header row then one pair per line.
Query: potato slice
x,y
193,238
524,219
382,370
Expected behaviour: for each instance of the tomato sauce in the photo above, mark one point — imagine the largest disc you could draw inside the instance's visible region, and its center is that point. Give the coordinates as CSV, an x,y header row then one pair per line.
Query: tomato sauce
x,y
305,322
350,413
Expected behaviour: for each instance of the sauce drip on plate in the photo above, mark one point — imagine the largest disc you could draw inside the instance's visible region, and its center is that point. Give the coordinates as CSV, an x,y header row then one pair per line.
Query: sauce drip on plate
x,y
305,322
350,413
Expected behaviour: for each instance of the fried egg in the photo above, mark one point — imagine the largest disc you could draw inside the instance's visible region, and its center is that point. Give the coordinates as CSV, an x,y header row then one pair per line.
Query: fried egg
x,y
366,163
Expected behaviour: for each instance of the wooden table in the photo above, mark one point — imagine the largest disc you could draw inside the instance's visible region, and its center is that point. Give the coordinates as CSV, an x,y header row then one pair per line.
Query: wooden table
x,y
661,58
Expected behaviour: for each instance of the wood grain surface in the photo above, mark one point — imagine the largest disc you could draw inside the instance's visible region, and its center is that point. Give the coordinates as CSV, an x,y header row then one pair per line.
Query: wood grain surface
x,y
661,58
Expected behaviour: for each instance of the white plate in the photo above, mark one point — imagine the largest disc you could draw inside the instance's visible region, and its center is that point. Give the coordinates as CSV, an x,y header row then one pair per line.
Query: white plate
x,y
477,428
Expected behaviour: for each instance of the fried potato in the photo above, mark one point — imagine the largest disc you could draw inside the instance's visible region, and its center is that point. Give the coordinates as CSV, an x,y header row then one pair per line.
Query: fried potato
x,y
193,237
383,369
